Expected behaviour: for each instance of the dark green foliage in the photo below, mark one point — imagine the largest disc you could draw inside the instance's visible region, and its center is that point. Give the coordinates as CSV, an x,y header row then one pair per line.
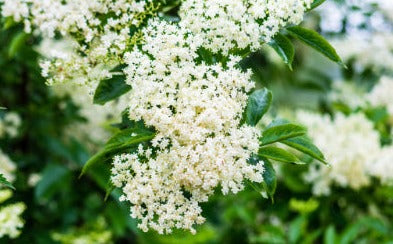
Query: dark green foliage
x,y
258,104
316,41
284,48
110,89
276,133
5,182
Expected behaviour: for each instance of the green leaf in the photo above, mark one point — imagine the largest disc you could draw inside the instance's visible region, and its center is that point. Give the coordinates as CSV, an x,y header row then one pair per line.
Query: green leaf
x,y
258,104
297,229
316,41
8,22
365,224
5,182
119,68
330,235
284,48
269,183
269,178
280,132
110,89
110,187
312,237
315,4
305,145
126,139
277,154
16,44
52,180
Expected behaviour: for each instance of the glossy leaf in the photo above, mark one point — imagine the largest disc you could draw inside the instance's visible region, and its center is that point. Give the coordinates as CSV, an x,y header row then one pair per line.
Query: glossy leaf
x,y
284,48
305,145
269,178
281,132
277,154
330,235
5,182
316,41
126,139
315,4
16,44
269,183
52,180
258,104
110,89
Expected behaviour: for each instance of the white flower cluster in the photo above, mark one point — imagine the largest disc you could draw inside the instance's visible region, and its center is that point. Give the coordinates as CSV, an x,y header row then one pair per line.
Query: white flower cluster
x,y
383,167
196,110
356,17
228,24
381,94
351,146
100,30
9,124
7,167
10,220
374,51
348,93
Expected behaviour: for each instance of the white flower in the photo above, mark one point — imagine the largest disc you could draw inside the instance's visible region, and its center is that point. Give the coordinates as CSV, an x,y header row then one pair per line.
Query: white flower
x,y
99,31
383,167
351,146
381,94
228,24
10,220
33,179
348,93
10,124
200,145
371,51
7,167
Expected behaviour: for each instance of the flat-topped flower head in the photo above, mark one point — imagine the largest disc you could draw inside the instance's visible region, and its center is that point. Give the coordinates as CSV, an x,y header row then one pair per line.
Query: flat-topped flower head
x,y
225,25
196,110
351,146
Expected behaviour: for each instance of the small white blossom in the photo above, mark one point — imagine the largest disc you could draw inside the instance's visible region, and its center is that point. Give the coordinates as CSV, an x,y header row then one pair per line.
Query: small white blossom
x,y
383,167
382,94
7,167
196,110
10,220
351,146
228,24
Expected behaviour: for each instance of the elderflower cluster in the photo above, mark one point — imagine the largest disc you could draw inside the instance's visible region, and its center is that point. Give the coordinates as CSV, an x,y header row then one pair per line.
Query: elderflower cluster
x,y
348,93
381,94
9,124
356,17
100,31
10,220
199,145
7,167
383,167
350,145
374,51
228,24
